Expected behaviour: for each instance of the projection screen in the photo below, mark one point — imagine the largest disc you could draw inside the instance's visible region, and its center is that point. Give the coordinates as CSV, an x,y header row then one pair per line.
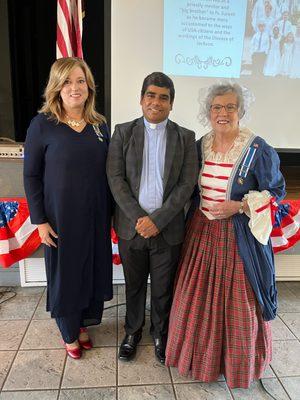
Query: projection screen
x,y
197,43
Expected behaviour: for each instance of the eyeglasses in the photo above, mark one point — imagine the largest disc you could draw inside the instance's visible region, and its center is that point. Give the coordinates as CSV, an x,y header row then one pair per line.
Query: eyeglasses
x,y
230,108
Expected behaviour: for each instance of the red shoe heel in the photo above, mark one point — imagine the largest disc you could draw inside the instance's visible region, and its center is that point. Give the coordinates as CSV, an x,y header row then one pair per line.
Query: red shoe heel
x,y
87,344
75,353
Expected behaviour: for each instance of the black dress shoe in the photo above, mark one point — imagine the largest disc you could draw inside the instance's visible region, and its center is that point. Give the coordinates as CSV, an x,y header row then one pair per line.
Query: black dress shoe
x,y
160,349
128,346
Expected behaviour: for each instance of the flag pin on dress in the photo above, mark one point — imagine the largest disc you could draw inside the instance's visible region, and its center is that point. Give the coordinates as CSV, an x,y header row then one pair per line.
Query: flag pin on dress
x,y
98,132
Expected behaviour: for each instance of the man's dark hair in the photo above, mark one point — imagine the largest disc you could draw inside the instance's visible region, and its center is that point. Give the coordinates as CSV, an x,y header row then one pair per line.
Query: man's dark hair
x,y
161,80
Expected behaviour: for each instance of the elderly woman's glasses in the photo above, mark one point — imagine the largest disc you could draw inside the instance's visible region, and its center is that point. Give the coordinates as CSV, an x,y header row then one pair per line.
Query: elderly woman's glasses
x,y
230,108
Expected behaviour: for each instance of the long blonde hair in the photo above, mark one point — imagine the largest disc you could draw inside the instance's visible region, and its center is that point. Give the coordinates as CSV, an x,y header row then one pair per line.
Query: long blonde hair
x,y
59,72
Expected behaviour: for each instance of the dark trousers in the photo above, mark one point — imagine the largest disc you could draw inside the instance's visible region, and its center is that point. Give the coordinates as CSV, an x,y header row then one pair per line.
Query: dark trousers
x,y
69,326
258,62
141,257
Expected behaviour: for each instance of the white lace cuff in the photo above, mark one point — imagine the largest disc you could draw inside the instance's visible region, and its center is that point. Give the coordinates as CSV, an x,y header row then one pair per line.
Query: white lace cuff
x,y
260,223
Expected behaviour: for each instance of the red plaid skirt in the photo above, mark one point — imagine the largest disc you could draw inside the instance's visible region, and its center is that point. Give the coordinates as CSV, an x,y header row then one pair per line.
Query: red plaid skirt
x,y
216,325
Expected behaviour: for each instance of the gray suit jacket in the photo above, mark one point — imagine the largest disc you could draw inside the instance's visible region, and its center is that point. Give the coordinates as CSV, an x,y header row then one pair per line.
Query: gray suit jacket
x,y
124,168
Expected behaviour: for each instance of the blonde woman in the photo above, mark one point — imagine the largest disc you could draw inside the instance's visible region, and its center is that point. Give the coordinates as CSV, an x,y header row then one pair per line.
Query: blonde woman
x,y
69,199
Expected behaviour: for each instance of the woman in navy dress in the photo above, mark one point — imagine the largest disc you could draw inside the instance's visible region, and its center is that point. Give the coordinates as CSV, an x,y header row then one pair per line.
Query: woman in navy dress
x,y
69,199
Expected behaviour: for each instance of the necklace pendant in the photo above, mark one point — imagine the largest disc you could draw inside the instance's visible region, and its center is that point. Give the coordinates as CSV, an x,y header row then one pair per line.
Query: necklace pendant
x,y
73,123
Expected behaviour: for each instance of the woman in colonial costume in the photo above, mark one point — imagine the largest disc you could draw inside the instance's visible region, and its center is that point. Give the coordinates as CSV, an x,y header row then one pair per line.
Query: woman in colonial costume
x,y
225,294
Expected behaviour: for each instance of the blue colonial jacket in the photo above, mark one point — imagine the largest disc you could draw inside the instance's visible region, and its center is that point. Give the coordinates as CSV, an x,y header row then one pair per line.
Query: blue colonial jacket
x,y
257,168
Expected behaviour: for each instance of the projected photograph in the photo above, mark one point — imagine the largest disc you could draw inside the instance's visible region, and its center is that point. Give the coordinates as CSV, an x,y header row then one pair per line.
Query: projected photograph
x,y
227,39
272,39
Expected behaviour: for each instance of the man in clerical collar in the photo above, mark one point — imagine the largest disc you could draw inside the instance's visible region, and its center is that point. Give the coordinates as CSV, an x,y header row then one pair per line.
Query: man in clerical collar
x,y
152,169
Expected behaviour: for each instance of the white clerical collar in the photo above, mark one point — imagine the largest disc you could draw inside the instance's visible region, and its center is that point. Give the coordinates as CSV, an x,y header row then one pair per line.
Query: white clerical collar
x,y
159,126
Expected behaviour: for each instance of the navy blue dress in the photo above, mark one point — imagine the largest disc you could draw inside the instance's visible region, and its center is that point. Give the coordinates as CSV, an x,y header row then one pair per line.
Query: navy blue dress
x,y
66,185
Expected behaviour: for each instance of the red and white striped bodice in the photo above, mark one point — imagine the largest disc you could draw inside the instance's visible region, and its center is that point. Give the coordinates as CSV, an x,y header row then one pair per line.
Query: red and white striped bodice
x,y
213,182
216,171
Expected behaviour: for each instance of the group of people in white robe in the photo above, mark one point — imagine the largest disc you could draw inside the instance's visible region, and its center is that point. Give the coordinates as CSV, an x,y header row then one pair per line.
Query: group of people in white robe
x,y
275,45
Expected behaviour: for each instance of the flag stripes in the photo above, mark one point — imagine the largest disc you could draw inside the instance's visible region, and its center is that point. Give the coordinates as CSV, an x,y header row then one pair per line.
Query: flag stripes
x,y
69,28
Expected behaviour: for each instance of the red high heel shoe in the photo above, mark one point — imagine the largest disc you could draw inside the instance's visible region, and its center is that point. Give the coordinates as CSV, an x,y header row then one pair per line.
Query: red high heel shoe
x,y
87,344
75,353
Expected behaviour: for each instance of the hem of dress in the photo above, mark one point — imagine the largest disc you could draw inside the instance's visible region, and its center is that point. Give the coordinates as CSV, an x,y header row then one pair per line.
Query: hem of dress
x,y
211,380
57,314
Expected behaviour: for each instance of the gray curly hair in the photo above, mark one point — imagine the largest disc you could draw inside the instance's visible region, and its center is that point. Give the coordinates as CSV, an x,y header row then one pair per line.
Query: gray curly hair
x,y
207,95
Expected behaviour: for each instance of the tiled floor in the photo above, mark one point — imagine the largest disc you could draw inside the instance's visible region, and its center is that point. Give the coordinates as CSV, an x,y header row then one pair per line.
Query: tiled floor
x,y
34,366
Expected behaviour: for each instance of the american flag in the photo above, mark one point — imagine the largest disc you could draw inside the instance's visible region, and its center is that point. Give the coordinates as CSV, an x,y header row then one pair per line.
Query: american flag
x,y
18,237
69,28
286,230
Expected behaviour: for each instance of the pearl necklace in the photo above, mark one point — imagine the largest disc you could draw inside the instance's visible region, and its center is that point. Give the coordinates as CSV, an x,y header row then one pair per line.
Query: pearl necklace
x,y
73,122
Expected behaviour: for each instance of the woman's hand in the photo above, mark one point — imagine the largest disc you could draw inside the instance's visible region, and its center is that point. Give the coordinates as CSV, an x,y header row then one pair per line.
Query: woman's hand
x,y
45,232
225,209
